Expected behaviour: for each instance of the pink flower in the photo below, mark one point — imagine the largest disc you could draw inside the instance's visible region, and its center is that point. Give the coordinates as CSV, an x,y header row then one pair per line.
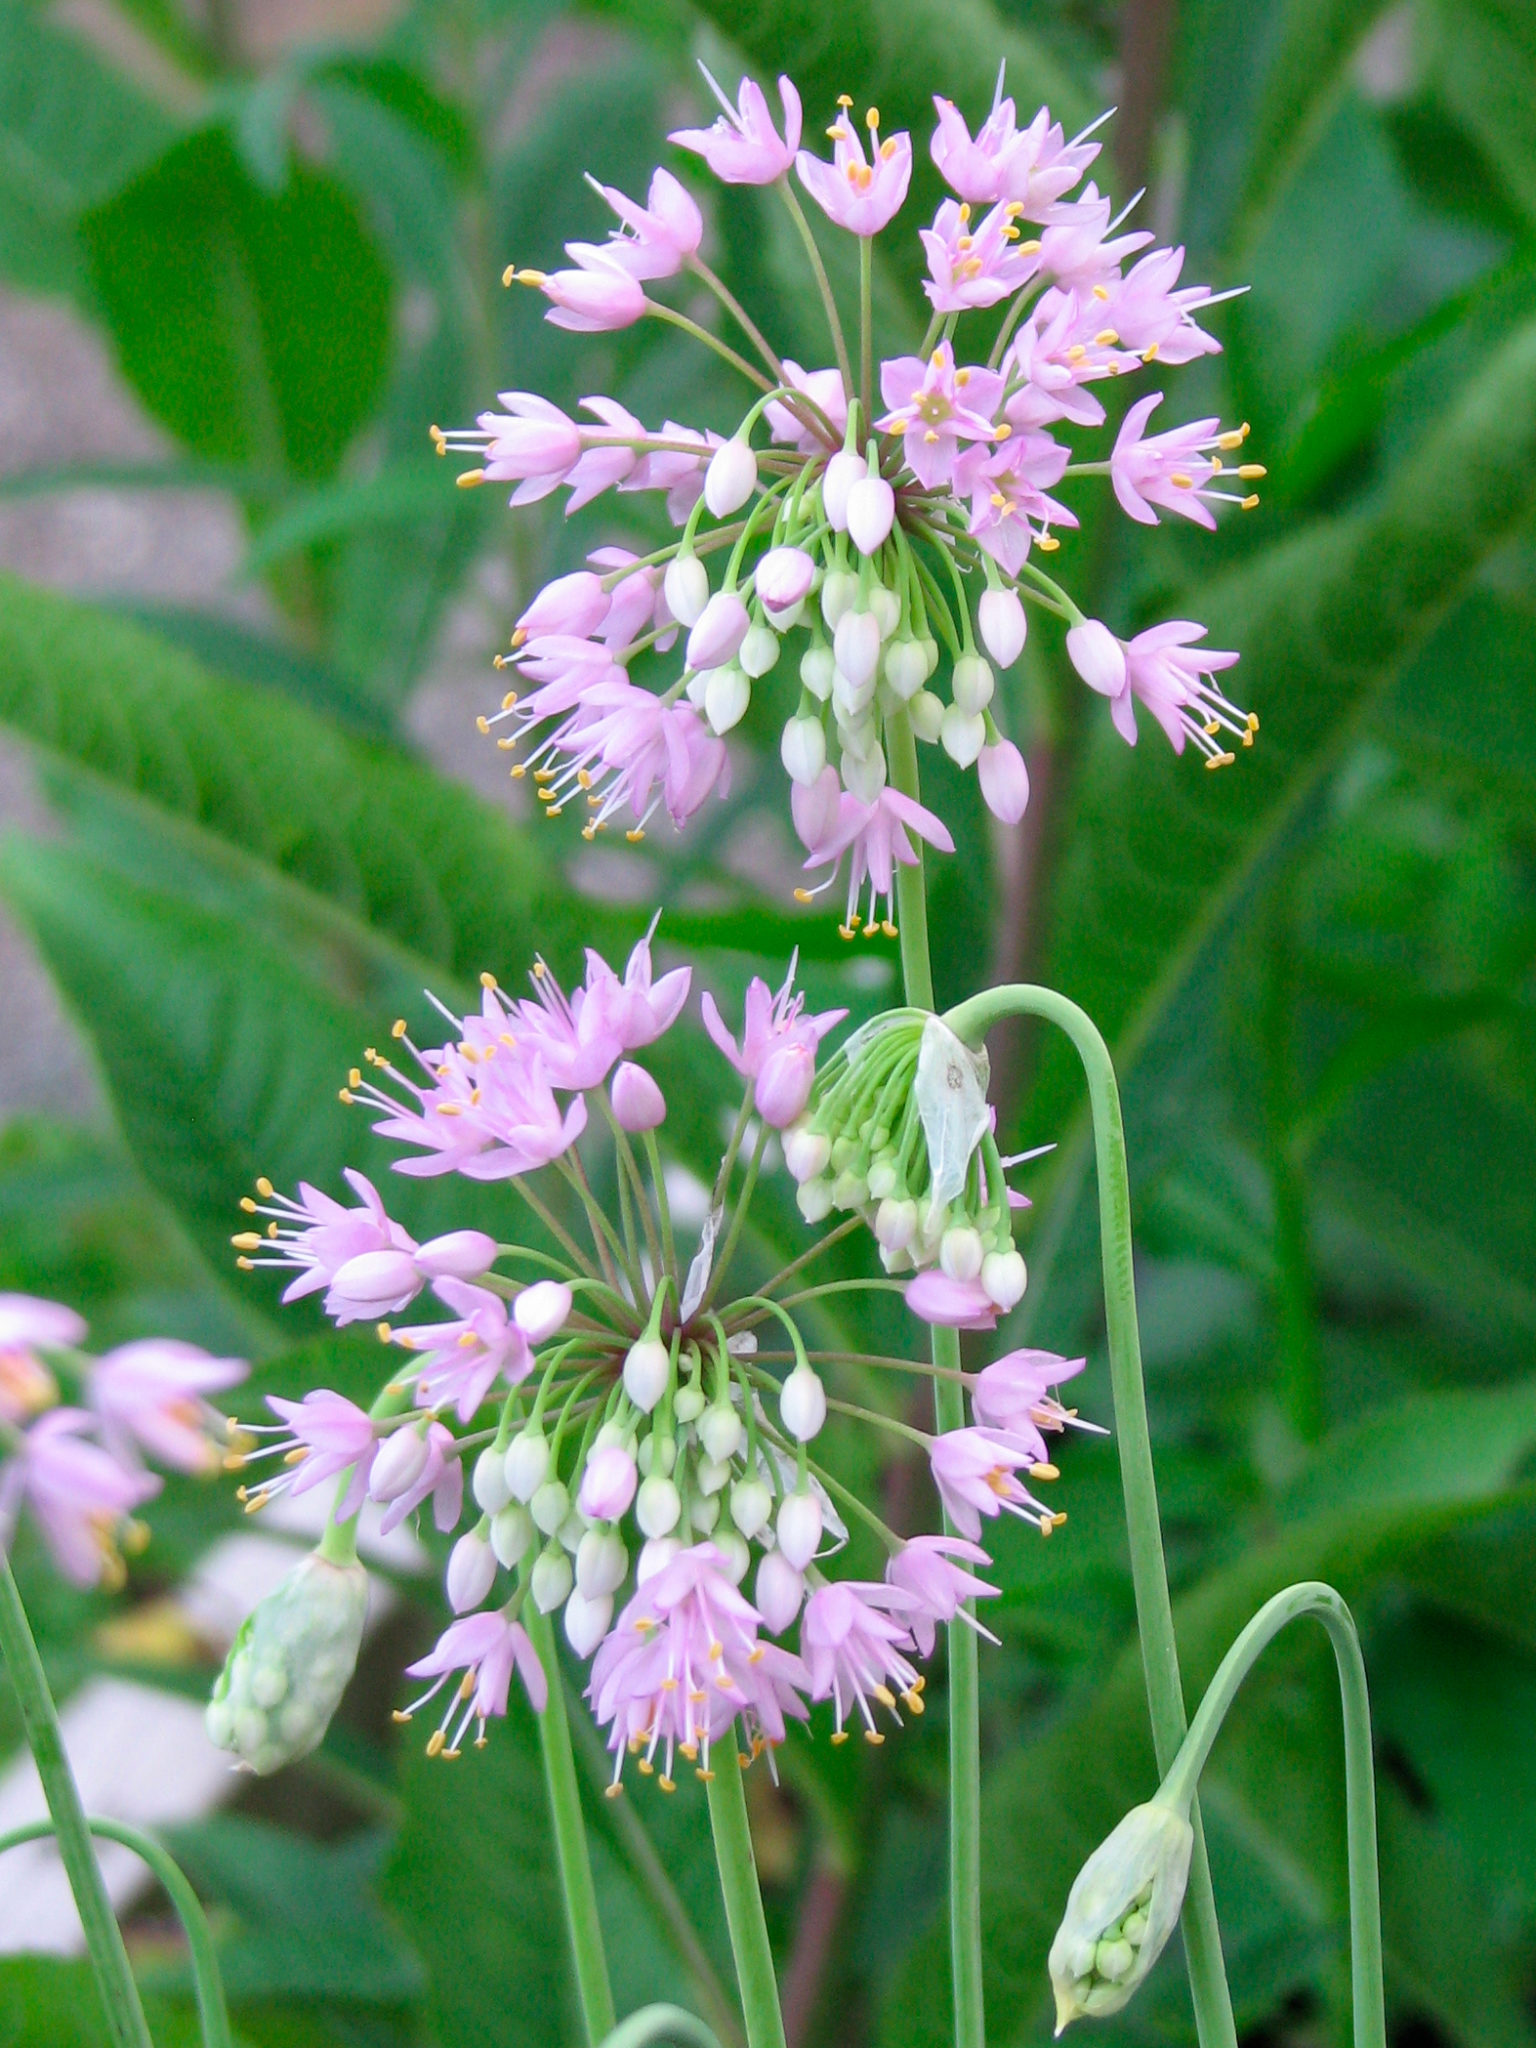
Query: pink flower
x,y
860,196
954,1304
441,1474
683,1660
1004,780
1162,668
152,1394
1011,1394
935,407
1176,470
825,390
533,444
638,1103
598,297
1034,166
719,632
322,1436
783,577
661,235
973,265
77,1493
853,1645
485,1648
778,1046
874,835
610,454
938,1588
26,1385
488,1112
743,148
974,1471
1152,318
319,1235
635,603
465,1357
576,604
1073,248
1008,490
1048,364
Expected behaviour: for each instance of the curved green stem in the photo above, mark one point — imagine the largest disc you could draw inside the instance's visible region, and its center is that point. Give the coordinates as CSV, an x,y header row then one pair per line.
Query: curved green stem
x,y
721,348
661,2023
1321,1601
212,2014
126,2025
1154,1611
823,285
577,1888
744,1906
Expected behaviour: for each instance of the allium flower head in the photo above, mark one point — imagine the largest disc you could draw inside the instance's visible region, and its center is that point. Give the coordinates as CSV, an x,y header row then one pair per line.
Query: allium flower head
x,y
152,1395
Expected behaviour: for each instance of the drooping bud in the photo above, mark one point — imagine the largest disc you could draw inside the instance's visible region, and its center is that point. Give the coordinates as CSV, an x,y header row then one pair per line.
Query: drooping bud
x,y
601,1562
647,1368
779,1589
1004,1276
803,1404
658,1505
686,589
806,1152
870,512
551,1579
962,733
718,631
721,1432
460,1255
843,472
726,697
751,1505
289,1665
607,1484
783,578
1098,657
542,1309
512,1534
587,1617
733,1549
471,1571
1004,625
972,686
731,477
926,710
549,1506
1123,1905
839,594
1004,781
856,646
489,1484
803,750
527,1463
799,1528
759,651
398,1463
638,1102
906,670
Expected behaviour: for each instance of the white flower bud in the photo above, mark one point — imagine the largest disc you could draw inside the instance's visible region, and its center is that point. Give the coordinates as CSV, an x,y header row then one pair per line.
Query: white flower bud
x,y
806,1152
550,1579
896,1224
527,1463
803,750
799,1528
586,1620
864,775
927,715
549,1506
687,1407
1004,1276
814,1199
1123,1905
839,594
398,1463
721,1432
471,1571
962,733
1098,657
731,477
850,704
971,685
1001,617
657,1505
646,1370
905,669
655,1556
856,646
710,1476
751,1505
817,670
779,1591
601,1562
803,1404
289,1665
886,606
759,651
871,512
726,697
961,1252
512,1534
843,472
734,1553
489,1484
686,588
703,1512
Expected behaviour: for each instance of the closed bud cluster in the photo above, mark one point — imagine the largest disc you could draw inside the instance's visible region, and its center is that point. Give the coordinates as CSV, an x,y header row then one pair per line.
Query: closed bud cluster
x,y
288,1667
1123,1905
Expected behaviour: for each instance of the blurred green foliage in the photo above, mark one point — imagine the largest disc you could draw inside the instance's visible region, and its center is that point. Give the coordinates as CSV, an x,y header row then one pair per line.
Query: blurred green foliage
x,y
1316,971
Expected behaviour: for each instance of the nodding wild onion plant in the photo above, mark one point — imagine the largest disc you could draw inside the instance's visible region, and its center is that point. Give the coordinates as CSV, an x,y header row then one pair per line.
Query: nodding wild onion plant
x,y
611,1428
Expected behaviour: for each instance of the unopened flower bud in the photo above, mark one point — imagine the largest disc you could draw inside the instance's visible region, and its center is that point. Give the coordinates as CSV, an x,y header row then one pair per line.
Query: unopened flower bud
x,y
586,1620
803,1404
864,775
718,631
551,1578
512,1534
542,1309
759,651
460,1255
1098,657
814,1199
1123,1905
1001,617
686,589
803,750
549,1506
961,1252
971,685
843,472
726,697
607,1484
751,1505
710,1475
905,669
962,733
783,578
720,1432
289,1665
601,1562
1004,781
856,646
647,1368
779,1590
703,1513
638,1104
654,1557
687,1407
734,1554
527,1463
471,1571
886,606
1004,1276
806,1152
870,512
398,1463
489,1484
896,1224
658,1505
783,1084
375,1284
839,594
799,1528
731,477
817,671
927,714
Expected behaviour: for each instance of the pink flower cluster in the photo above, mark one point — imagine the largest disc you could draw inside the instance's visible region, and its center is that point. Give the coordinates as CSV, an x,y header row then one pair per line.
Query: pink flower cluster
x,y
78,1469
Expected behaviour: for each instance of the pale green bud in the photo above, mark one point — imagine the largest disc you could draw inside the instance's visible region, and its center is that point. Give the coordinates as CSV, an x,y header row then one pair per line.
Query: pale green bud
x,y
1120,1912
289,1665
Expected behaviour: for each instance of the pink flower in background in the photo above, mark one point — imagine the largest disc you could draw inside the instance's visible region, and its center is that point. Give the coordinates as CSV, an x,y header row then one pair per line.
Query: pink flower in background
x,y
28,1324
77,1494
152,1396
860,194
743,147
486,1648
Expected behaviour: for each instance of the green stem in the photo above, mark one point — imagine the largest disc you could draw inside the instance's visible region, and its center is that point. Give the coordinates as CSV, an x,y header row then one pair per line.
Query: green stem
x,y
1314,1598
819,271
213,2017
663,1203
126,2024
571,1841
866,326
744,1906
721,348
949,1413
1149,1575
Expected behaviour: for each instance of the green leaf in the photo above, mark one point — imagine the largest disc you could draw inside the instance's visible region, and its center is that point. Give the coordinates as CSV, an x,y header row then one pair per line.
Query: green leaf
x,y
45,2001
254,324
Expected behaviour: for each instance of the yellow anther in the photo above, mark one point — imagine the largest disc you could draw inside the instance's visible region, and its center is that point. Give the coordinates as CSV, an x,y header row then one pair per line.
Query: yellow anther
x,y
1029,248
245,1265
385,1331
615,1790
1253,721
1002,431
1047,543
1076,352
840,1736
397,1029
884,1695
468,478
667,1784
873,1737
1149,354
246,1241
1183,482
1251,469
488,980
872,119
1247,504
801,895
1106,337
887,150
1044,1471
1231,439
345,1095
1220,760
354,1078
962,378
397,1715
634,835
483,726
264,1188
888,928
845,99
509,275
436,1742
439,439
509,702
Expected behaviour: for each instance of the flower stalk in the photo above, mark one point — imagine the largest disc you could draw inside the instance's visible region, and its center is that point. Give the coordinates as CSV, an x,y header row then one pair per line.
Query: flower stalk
x,y
744,1909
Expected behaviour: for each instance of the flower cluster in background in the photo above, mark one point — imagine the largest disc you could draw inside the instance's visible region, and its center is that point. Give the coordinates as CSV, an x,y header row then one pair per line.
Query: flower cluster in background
x,y
78,1468
868,520
614,1433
